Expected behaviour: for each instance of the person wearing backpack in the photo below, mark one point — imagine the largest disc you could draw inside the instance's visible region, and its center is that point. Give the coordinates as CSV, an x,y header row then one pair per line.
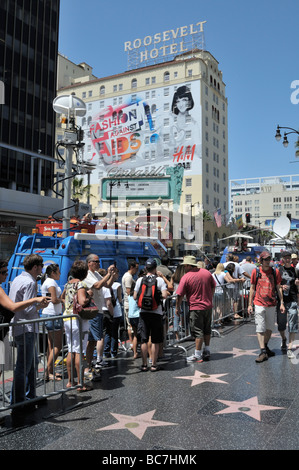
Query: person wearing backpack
x,y
265,286
149,292
289,290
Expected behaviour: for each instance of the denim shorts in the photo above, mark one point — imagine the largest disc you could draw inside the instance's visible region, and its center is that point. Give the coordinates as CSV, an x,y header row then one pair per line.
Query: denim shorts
x,y
290,316
96,328
53,325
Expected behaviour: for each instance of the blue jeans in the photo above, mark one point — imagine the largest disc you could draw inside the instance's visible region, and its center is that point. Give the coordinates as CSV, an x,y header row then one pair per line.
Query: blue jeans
x,y
111,336
24,384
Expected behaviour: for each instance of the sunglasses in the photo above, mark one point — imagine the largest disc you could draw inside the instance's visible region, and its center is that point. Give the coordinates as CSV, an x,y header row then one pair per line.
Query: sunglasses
x,y
267,259
4,272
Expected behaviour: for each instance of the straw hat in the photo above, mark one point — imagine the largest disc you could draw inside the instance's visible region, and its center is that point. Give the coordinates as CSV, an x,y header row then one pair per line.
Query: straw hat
x,y
191,260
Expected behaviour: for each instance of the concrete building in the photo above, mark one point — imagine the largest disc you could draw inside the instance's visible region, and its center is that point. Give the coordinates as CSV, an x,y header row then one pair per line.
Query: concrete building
x,y
28,51
266,199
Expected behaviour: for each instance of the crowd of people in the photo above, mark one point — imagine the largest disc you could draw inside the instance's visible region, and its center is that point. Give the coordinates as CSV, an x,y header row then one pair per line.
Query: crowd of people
x,y
136,300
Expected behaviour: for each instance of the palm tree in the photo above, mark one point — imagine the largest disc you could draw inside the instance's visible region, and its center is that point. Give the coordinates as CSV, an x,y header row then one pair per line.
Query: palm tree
x,y
80,190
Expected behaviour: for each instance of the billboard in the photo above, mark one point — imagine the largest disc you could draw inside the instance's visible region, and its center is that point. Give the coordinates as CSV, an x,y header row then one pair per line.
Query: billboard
x,y
160,126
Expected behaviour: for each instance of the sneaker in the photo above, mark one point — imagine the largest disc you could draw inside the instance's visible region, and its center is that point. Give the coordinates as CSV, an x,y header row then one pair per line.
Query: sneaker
x,y
206,355
262,357
194,358
269,352
100,364
284,345
290,354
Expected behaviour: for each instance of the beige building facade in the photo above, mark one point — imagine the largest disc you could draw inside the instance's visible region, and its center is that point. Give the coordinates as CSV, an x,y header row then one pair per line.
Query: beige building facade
x,y
205,181
266,199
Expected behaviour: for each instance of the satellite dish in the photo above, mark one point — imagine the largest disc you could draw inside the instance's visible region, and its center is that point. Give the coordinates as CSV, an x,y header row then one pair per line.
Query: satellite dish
x,y
282,226
70,105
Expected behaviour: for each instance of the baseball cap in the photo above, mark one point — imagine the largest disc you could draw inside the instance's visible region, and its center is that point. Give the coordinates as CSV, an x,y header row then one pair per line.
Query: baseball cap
x,y
284,254
294,255
151,263
190,260
265,254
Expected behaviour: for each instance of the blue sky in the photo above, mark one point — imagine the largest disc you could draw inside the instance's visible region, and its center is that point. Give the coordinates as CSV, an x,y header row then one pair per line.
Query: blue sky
x,y
255,43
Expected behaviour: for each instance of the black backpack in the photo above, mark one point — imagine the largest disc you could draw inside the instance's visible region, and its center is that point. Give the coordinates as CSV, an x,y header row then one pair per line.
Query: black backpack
x,y
149,297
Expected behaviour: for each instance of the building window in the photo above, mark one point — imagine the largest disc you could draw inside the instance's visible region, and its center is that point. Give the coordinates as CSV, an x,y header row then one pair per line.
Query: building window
x,y
188,182
134,83
166,76
102,90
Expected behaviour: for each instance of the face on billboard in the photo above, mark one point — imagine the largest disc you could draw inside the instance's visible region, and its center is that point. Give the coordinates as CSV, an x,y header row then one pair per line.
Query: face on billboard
x,y
159,126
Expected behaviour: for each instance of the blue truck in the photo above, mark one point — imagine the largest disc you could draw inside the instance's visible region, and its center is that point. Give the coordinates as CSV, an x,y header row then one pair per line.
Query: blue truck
x,y
112,246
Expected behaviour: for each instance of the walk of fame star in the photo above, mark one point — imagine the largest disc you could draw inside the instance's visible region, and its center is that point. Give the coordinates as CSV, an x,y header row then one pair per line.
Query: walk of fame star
x,y
136,424
236,352
250,407
200,377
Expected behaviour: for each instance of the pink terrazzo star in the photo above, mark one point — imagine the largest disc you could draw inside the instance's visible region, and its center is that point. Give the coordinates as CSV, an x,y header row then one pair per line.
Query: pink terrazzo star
x,y
200,377
249,407
136,424
236,352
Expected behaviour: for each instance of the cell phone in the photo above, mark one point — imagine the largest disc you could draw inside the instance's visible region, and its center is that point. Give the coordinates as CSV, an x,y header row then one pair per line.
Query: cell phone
x,y
114,264
48,295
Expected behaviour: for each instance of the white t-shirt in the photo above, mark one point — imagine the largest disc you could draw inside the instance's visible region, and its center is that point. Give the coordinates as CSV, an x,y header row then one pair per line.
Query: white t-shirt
x,y
51,309
117,309
98,297
117,312
220,281
161,285
126,282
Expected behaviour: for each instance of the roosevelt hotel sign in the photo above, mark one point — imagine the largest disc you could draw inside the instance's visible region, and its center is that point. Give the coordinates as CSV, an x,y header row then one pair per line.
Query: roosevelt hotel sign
x,y
165,45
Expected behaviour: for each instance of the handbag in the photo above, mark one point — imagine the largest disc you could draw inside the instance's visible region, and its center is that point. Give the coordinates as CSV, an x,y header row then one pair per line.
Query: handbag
x,y
88,312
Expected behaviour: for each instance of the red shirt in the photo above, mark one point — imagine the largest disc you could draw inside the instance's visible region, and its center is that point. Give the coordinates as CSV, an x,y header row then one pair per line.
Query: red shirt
x,y
198,287
265,290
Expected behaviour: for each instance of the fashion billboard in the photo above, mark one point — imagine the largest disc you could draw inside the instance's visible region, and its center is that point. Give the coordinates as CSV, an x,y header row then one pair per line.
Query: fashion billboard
x,y
161,126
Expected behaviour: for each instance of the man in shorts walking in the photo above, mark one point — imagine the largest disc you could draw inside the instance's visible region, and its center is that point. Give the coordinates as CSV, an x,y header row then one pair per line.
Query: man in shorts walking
x,y
199,286
265,283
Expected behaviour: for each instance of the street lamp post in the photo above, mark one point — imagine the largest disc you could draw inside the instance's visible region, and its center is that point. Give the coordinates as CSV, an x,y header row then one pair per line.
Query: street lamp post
x,y
285,142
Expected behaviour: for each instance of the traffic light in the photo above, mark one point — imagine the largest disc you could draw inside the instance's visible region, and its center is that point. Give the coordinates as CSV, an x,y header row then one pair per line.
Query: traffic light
x,y
247,216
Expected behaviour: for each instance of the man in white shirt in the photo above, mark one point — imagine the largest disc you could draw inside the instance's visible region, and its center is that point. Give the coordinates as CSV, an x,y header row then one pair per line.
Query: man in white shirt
x,y
151,322
95,282
24,287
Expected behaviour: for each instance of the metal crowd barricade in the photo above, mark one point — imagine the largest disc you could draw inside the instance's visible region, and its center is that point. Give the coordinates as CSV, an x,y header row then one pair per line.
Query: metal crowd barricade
x,y
229,301
177,327
44,388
